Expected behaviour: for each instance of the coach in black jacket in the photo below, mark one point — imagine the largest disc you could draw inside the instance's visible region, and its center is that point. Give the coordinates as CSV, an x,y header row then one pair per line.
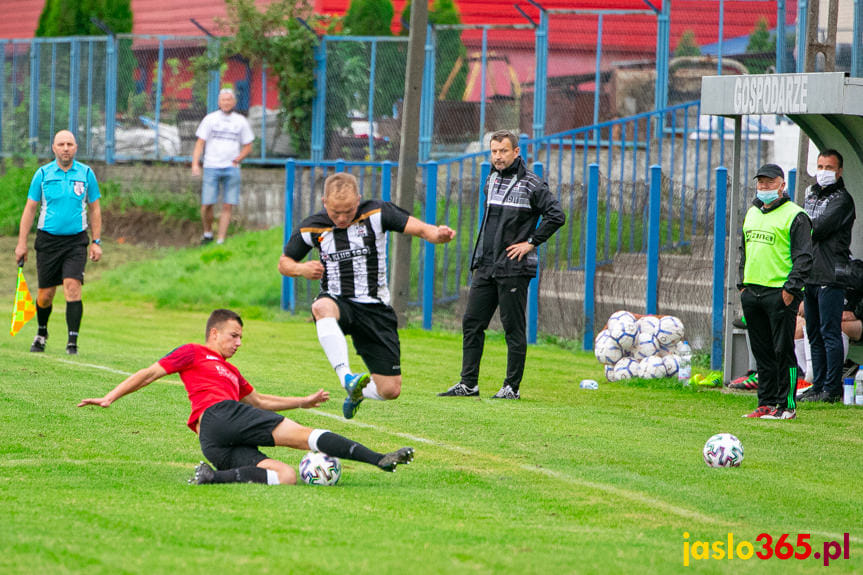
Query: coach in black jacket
x,y
504,261
831,209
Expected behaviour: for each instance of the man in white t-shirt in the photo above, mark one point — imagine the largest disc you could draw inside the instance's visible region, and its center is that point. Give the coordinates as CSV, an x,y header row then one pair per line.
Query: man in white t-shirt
x,y
228,140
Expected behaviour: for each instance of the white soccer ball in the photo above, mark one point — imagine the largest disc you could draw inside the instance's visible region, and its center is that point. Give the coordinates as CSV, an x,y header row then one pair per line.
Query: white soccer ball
x,y
723,450
648,324
646,345
609,372
622,328
672,364
605,349
318,468
626,368
653,367
670,330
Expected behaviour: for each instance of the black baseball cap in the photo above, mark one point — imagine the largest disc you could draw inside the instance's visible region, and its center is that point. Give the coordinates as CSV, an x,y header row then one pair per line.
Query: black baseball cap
x,y
770,171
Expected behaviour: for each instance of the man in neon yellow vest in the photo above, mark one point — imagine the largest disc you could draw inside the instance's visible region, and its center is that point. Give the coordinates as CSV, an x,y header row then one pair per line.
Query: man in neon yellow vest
x,y
775,260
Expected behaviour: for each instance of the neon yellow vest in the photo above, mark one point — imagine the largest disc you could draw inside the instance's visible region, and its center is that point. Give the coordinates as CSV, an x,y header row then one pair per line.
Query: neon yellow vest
x,y
768,245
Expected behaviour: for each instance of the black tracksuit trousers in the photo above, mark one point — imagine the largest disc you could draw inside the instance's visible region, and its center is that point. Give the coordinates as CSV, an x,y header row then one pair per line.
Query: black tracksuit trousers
x,y
486,294
771,334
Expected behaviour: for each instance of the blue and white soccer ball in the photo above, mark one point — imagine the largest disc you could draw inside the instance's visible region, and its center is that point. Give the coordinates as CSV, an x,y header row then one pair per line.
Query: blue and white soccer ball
x,y
318,468
645,346
648,324
653,367
605,349
723,450
670,330
626,368
622,328
672,364
609,372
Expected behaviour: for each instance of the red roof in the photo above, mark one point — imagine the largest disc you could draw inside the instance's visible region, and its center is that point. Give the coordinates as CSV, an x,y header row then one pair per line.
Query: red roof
x,y
575,32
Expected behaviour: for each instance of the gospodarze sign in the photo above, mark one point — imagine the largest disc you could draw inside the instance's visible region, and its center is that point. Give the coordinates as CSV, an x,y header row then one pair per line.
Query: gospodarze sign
x,y
773,94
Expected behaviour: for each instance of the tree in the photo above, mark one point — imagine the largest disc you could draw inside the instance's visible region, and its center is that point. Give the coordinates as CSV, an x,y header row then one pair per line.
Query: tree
x,y
282,37
761,42
369,18
687,46
451,53
73,17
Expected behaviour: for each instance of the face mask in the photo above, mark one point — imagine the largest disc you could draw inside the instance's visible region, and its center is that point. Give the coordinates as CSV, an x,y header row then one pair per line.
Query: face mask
x,y
767,196
825,177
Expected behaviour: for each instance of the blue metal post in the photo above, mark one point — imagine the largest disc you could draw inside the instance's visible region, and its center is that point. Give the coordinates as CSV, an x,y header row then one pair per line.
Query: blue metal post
x,y
721,33
372,66
484,172
596,80
110,98
288,296
856,57
2,88
386,180
35,47
74,80
540,83
263,110
533,288
430,170
663,24
158,106
801,36
213,78
89,121
319,106
719,233
780,35
792,184
590,227
653,211
484,79
428,97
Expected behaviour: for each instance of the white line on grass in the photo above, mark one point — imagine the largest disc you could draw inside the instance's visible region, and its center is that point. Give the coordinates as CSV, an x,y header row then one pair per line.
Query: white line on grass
x,y
610,489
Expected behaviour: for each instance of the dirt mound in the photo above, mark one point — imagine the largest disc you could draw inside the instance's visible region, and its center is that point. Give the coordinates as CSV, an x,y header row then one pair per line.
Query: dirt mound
x,y
149,229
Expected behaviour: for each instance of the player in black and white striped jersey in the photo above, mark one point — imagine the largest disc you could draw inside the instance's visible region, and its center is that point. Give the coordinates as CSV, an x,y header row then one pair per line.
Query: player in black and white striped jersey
x,y
351,236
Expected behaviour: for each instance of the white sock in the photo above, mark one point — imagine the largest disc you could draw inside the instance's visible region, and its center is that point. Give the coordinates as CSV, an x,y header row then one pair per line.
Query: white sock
x,y
335,345
272,477
314,436
753,365
800,352
845,342
371,391
810,373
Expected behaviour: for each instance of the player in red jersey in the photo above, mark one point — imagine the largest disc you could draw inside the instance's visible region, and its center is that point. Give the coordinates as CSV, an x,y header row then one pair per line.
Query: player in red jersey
x,y
232,419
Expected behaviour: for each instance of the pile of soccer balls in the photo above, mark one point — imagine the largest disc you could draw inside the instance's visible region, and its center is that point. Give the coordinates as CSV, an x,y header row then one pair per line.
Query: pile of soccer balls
x,y
643,347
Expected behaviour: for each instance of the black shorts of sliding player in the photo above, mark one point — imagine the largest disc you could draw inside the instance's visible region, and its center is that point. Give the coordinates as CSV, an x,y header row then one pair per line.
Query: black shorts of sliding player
x,y
231,432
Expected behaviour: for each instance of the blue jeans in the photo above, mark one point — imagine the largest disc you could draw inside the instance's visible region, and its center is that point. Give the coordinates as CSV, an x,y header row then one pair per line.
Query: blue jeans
x,y
823,306
228,179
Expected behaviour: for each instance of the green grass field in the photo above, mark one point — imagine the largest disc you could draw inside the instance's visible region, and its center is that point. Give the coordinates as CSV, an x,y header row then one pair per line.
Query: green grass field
x,y
564,481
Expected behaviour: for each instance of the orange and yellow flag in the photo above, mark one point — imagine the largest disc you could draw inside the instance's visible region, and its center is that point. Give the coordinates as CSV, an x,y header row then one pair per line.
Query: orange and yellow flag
x,y
24,309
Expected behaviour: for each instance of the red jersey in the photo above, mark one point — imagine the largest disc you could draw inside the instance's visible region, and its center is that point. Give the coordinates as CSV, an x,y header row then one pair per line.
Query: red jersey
x,y
208,377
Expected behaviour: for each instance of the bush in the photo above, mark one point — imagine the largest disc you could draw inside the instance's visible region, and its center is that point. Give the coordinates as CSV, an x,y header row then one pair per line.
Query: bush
x,y
14,183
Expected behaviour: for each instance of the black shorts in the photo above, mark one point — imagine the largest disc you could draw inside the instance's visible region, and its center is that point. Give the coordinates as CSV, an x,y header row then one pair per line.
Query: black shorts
x,y
374,329
231,432
60,257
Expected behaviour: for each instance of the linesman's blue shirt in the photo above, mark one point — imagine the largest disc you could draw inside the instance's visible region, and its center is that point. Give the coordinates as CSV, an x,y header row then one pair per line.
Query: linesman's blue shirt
x,y
64,197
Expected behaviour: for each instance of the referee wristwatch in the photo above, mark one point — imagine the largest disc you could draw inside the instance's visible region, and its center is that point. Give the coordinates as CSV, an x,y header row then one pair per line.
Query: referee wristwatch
x,y
97,241
532,241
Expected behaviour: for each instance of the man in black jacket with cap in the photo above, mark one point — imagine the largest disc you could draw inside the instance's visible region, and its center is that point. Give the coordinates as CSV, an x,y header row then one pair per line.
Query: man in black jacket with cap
x,y
504,261
831,209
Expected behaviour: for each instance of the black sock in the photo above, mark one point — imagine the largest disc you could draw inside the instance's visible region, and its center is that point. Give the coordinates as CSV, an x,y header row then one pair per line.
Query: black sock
x,y
42,315
247,474
340,446
74,311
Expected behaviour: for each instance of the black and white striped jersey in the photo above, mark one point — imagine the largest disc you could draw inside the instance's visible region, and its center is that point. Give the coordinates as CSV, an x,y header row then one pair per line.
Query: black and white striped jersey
x,y
355,258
